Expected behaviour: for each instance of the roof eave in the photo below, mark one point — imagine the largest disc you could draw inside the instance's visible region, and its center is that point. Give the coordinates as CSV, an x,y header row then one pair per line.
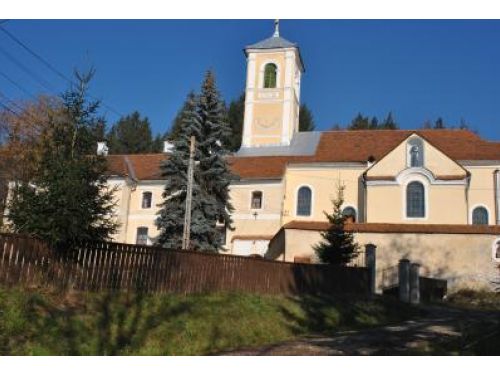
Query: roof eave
x,y
246,50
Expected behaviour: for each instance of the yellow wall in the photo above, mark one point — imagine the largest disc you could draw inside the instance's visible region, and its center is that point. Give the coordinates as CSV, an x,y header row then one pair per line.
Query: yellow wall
x,y
271,114
464,260
323,182
261,59
267,220
129,211
434,160
445,204
481,191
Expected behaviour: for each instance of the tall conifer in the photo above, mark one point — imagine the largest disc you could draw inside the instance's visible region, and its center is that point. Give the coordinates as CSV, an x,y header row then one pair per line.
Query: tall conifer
x,y
338,246
67,199
204,117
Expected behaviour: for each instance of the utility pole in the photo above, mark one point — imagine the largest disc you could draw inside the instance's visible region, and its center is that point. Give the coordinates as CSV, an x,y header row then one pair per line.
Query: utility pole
x,y
189,196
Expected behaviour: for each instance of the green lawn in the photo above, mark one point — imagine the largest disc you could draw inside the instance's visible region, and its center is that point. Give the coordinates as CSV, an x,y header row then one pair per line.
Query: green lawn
x,y
44,323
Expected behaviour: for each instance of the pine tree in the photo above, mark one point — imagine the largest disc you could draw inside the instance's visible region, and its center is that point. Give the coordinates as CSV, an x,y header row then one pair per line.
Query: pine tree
x,y
439,124
338,246
67,199
131,135
389,123
204,117
179,120
359,123
306,119
235,114
157,145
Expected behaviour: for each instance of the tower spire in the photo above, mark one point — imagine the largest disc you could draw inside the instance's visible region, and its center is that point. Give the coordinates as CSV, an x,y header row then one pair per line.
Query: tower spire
x,y
276,28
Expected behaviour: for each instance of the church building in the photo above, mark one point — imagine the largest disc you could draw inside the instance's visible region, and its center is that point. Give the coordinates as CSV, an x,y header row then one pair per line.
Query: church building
x,y
432,196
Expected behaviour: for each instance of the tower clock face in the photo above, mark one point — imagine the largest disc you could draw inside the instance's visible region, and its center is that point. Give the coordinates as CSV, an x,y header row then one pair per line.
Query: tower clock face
x,y
267,123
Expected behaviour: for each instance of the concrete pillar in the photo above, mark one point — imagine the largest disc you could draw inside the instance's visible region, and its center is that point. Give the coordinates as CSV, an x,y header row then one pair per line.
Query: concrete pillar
x,y
415,283
404,280
370,263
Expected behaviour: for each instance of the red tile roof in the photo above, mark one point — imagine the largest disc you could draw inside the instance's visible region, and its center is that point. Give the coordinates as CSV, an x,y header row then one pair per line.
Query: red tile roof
x,y
139,166
334,146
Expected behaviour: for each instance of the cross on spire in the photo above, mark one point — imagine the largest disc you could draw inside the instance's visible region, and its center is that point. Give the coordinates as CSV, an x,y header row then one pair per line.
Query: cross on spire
x,y
276,28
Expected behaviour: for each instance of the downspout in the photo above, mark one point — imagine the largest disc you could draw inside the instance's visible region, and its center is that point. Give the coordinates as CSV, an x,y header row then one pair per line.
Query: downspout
x,y
283,210
467,189
365,197
496,190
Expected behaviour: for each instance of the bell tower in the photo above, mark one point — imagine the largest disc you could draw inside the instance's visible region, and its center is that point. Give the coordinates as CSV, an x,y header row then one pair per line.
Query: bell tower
x,y
272,95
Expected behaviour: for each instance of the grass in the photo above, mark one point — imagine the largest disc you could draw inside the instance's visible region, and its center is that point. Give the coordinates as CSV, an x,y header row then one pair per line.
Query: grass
x,y
475,299
45,323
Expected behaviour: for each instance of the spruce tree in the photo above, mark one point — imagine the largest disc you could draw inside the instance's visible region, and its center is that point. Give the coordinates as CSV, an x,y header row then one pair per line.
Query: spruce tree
x,y
204,117
389,123
235,114
180,118
131,135
359,123
306,119
338,246
439,124
67,199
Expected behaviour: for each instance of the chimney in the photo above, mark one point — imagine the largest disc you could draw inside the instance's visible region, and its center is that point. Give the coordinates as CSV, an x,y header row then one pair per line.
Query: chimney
x,y
102,149
168,147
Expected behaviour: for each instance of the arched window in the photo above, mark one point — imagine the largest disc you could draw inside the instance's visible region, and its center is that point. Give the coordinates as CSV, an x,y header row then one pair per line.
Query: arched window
x,y
270,72
350,214
147,197
256,200
415,199
480,216
304,197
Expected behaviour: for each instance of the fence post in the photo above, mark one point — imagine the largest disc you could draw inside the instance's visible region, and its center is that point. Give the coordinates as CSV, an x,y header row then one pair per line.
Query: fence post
x,y
370,263
404,280
415,283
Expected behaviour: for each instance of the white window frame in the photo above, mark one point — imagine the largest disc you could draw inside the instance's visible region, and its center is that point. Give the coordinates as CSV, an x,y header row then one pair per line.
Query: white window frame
x,y
142,199
262,71
296,202
471,213
148,240
261,201
425,184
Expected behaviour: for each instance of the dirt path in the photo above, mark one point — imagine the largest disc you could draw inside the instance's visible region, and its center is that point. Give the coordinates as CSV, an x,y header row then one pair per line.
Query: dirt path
x,y
440,325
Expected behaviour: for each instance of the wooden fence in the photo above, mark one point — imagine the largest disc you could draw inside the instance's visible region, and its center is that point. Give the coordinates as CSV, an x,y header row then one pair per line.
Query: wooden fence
x,y
96,266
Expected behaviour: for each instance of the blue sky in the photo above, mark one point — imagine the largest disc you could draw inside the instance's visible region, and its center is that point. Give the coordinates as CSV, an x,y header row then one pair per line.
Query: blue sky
x,y
419,70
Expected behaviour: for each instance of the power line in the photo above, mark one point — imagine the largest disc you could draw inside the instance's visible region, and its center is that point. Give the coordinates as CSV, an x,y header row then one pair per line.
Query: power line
x,y
22,110
11,102
36,55
25,69
8,108
51,67
5,76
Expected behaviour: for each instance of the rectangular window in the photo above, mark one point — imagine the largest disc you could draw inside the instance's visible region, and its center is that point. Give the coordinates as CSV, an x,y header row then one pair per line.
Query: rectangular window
x,y
147,197
256,200
222,233
142,236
